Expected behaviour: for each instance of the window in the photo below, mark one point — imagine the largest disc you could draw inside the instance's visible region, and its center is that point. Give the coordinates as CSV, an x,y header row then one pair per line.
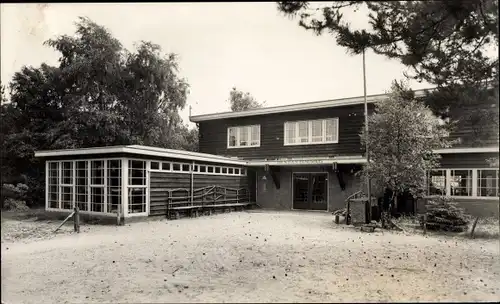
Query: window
x,y
91,185
437,182
67,185
210,169
237,171
224,170
203,169
461,182
137,186
195,168
97,186
155,165
318,131
243,171
166,166
244,136
115,185
186,167
53,185
81,185
487,183
217,169
176,167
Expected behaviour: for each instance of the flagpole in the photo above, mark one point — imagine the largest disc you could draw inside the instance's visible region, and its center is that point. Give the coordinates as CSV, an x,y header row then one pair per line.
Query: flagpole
x,y
367,151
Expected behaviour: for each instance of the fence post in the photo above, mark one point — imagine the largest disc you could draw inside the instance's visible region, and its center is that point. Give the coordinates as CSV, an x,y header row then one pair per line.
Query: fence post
x,y
473,227
77,219
425,223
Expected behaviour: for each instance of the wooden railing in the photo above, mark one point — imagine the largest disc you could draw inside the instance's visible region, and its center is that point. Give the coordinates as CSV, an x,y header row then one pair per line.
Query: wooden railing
x,y
205,198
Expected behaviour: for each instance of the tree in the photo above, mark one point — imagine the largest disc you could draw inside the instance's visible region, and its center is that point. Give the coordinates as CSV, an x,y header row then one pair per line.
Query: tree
x,y
403,133
240,101
445,42
100,94
449,44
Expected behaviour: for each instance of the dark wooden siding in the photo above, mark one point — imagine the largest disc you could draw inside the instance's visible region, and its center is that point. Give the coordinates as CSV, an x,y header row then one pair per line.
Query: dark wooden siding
x,y
213,134
160,182
269,197
466,160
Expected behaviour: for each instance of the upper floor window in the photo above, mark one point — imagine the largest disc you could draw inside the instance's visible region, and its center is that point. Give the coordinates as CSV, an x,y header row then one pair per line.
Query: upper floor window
x,y
243,136
319,131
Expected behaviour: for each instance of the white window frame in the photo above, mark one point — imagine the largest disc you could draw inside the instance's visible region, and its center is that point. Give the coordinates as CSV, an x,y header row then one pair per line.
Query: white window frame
x,y
249,141
89,185
479,177
475,185
309,134
130,186
237,171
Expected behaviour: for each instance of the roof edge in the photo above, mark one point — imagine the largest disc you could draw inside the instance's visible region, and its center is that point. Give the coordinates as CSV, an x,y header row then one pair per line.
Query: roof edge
x,y
300,106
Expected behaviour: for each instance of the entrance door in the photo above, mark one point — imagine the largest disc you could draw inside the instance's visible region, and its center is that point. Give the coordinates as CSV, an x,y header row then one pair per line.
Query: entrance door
x,y
310,191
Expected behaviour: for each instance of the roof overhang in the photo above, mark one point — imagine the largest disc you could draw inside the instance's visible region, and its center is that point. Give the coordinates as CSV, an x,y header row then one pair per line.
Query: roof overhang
x,y
143,150
299,107
308,161
468,150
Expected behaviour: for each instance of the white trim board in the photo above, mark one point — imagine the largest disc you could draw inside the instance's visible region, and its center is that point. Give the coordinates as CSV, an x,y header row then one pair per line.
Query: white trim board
x,y
300,106
143,150
309,161
468,150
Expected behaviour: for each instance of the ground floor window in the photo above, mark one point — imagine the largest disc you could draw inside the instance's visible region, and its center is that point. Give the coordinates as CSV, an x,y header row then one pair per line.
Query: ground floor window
x,y
137,186
487,183
463,182
92,185
437,182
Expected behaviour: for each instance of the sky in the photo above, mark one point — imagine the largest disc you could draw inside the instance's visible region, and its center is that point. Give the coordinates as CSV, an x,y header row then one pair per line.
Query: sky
x,y
250,46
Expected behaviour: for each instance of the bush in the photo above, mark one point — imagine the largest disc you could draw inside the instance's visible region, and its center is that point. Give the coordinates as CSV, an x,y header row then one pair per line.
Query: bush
x,y
444,215
15,205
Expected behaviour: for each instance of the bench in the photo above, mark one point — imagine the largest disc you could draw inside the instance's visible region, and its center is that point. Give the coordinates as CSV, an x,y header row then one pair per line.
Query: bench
x,y
196,208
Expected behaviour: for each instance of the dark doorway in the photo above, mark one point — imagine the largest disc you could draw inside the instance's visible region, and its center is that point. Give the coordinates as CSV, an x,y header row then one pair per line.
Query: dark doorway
x,y
310,191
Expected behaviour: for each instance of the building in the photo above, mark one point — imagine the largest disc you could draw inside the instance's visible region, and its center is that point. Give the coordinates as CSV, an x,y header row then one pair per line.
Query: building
x,y
305,156
302,156
138,181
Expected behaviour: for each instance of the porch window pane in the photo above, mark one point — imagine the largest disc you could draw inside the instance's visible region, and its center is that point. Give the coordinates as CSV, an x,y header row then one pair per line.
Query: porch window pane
x,y
461,182
53,184
487,183
81,185
114,185
437,182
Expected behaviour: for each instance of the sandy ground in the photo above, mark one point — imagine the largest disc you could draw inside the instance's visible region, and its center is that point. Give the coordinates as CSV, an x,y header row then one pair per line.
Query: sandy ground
x,y
246,257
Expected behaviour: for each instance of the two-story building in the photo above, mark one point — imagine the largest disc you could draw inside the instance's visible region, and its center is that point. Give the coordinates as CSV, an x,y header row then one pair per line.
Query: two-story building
x,y
305,156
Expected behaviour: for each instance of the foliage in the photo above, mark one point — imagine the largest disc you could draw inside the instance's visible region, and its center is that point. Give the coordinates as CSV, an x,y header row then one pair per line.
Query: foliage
x,y
100,94
241,101
450,44
11,204
444,42
444,215
13,193
402,136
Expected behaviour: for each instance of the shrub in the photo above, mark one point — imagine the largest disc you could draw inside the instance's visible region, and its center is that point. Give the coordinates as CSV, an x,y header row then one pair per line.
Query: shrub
x,y
444,215
15,205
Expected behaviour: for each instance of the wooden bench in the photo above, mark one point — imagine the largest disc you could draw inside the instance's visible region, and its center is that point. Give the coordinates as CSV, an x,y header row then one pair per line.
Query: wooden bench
x,y
195,208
